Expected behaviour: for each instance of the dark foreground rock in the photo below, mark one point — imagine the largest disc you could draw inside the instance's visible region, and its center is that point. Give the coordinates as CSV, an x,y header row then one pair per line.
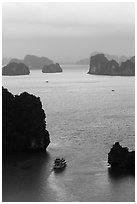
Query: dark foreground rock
x,y
52,68
23,123
121,157
100,65
14,68
33,62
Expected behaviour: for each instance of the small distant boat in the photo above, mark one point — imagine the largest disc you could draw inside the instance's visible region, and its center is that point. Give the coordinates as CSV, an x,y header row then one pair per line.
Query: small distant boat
x,y
59,163
113,90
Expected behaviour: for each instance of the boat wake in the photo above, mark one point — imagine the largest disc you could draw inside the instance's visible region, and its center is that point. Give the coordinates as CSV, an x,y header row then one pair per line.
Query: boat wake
x,y
59,188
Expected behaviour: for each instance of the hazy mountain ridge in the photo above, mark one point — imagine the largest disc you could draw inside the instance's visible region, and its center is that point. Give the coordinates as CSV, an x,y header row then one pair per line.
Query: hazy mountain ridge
x,y
5,60
33,62
30,62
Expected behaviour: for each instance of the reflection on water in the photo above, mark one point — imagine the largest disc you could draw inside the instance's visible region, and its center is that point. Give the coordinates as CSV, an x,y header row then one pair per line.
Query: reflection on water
x,y
57,187
118,174
121,183
22,176
31,178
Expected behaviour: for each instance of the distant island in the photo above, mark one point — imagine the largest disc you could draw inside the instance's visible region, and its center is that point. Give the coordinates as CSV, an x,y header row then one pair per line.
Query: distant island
x,y
84,61
23,123
118,59
52,68
33,62
13,69
5,60
100,65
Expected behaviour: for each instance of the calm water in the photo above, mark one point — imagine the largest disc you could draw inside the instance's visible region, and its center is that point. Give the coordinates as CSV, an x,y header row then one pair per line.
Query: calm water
x,y
84,118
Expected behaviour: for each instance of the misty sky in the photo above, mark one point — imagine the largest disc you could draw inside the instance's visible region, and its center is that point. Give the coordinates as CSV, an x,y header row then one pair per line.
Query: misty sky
x,y
67,31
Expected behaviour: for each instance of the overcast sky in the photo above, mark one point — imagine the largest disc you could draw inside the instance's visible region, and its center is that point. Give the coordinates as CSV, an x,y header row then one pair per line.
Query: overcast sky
x,y
68,31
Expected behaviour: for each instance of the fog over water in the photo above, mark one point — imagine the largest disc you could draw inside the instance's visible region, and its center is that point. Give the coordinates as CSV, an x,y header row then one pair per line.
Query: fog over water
x,y
67,32
84,118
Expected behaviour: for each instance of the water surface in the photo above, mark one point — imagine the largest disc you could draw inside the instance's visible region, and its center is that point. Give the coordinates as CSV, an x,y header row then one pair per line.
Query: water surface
x,y
84,118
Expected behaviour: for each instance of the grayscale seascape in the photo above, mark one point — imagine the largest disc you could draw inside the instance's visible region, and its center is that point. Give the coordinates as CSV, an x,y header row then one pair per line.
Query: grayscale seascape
x,y
68,101
100,117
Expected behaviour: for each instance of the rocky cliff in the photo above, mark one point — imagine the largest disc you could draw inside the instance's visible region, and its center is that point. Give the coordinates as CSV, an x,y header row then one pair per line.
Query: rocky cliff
x,y
100,65
121,157
52,68
127,68
118,59
23,123
33,62
13,69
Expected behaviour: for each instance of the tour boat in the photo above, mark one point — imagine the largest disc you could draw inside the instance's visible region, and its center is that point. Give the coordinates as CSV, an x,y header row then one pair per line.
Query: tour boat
x,y
59,163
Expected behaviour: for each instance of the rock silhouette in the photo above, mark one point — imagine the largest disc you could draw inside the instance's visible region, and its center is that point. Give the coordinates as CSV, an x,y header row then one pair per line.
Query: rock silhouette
x,y
52,68
120,157
127,68
118,59
13,69
100,65
23,123
33,62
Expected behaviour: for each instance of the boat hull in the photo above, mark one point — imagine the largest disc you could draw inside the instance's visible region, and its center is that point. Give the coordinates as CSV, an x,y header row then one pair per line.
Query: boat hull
x,y
59,167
